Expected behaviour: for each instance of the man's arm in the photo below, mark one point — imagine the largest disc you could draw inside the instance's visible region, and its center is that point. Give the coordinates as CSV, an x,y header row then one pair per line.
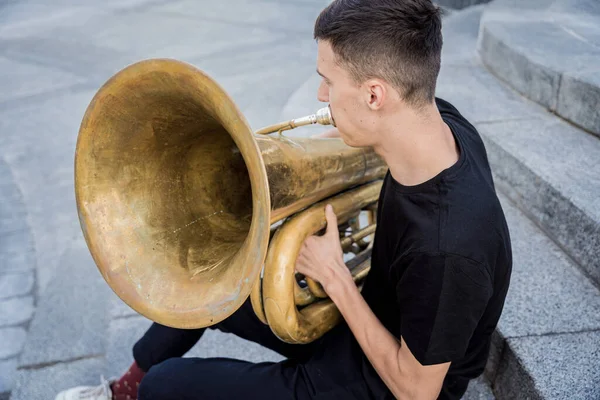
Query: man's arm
x,y
321,259
398,368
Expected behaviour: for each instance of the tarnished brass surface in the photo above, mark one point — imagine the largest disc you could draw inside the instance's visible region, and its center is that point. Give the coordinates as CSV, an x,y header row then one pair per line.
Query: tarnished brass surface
x,y
176,195
286,320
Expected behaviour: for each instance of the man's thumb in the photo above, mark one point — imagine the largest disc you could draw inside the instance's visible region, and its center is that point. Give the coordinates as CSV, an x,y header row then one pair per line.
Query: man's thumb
x,y
331,220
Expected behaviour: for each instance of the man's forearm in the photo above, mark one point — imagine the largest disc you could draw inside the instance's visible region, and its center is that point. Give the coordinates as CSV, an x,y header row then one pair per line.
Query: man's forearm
x,y
321,258
378,344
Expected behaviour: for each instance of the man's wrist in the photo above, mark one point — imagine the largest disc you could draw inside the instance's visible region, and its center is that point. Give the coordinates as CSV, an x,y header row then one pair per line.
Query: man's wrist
x,y
341,284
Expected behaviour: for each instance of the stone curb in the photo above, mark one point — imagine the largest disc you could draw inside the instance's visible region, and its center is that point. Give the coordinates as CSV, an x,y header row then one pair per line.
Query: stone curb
x,y
534,64
565,213
551,300
526,149
543,346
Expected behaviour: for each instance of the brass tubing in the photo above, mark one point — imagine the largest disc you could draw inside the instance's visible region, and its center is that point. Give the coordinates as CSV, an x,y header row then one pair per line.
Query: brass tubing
x,y
284,318
348,240
315,287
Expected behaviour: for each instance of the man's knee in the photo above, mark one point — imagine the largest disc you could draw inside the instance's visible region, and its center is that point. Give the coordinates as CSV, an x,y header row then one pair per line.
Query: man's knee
x,y
160,381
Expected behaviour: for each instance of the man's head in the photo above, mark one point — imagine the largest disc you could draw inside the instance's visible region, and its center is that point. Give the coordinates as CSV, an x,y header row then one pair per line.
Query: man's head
x,y
376,56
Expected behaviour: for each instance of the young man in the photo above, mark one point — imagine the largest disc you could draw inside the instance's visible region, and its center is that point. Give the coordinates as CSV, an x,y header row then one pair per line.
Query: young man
x,y
441,260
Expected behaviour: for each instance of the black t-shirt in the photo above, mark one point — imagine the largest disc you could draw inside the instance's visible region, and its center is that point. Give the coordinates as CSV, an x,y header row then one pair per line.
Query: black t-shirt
x,y
441,264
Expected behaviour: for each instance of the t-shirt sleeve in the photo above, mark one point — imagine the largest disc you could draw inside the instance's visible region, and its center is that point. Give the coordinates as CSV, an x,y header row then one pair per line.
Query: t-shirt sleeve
x,y
441,298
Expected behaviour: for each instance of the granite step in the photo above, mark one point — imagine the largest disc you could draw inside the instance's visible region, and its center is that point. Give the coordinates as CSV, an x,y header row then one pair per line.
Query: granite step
x,y
547,339
527,43
67,336
545,345
546,165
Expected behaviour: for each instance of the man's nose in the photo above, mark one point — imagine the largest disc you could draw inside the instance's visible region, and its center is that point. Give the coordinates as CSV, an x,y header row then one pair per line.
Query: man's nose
x,y
323,93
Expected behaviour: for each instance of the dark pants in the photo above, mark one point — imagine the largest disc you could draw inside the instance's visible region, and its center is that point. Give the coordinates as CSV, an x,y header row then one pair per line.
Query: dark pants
x,y
310,371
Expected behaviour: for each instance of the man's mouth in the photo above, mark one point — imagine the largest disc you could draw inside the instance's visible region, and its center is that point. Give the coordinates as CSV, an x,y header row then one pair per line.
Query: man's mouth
x,y
331,114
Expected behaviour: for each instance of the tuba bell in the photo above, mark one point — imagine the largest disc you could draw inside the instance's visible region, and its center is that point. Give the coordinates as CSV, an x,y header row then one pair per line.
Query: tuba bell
x,y
187,212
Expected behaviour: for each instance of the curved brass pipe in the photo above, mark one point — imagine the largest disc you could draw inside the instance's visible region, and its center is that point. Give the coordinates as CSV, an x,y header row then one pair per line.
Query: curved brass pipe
x,y
315,287
282,314
304,296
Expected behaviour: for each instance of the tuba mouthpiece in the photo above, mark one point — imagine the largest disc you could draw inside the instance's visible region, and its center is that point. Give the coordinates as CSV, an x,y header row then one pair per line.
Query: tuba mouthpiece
x,y
322,116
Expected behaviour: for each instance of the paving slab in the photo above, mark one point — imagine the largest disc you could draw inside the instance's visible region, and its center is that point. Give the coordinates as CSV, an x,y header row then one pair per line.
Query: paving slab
x,y
288,16
12,340
260,58
86,62
462,28
119,309
23,18
123,333
74,308
16,310
157,35
303,101
17,252
8,369
45,382
218,344
38,146
13,213
15,284
19,79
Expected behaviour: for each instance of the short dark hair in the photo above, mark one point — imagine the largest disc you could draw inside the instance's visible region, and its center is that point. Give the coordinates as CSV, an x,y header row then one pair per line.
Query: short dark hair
x,y
399,41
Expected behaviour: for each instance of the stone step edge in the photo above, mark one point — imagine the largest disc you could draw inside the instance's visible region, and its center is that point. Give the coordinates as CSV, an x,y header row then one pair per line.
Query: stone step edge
x,y
565,89
572,240
500,357
507,373
534,203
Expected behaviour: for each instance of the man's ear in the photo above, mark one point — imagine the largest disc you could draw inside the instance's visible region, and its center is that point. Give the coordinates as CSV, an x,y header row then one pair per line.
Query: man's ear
x,y
375,93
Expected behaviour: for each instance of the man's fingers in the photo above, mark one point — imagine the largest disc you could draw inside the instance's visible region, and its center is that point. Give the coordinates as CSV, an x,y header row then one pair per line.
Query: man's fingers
x,y
332,228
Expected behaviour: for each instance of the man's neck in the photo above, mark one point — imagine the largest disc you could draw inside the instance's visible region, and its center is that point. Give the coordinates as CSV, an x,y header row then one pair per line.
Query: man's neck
x,y
417,146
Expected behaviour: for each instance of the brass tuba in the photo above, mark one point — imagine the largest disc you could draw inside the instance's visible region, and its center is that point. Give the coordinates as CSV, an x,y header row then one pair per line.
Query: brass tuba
x,y
181,205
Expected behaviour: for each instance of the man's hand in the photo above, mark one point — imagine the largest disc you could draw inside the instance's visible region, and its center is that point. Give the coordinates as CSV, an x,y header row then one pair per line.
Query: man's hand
x,y
321,258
